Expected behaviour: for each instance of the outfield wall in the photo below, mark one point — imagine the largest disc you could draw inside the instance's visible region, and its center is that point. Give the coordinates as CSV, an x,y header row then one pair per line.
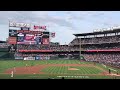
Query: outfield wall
x,y
6,56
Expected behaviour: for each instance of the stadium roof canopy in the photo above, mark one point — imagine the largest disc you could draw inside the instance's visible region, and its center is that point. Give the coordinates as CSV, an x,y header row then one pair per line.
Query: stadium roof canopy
x,y
97,33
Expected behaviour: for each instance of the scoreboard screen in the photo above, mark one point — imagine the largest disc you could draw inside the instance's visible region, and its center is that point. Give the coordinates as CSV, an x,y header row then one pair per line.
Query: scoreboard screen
x,y
28,37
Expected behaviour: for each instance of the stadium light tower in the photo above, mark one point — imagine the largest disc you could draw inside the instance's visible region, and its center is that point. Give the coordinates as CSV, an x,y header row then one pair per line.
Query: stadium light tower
x,y
80,47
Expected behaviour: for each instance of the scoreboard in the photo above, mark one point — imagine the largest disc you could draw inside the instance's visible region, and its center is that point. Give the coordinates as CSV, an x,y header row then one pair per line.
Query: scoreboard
x,y
24,35
28,37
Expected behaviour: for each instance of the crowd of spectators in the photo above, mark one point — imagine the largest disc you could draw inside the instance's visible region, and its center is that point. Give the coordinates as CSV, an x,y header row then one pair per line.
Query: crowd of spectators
x,y
68,48
102,47
33,47
94,40
110,59
4,45
71,47
63,48
47,47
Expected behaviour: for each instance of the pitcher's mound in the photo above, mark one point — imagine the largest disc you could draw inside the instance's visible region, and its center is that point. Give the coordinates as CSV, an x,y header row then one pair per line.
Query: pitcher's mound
x,y
73,69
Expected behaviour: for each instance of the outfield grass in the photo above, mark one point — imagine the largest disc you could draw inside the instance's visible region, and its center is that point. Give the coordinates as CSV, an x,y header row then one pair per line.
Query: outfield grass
x,y
107,68
18,63
54,70
64,70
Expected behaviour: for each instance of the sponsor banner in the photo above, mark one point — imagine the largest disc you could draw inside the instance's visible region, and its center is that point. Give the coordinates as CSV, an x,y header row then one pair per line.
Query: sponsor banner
x,y
14,24
12,40
29,58
18,57
45,40
37,58
53,34
39,27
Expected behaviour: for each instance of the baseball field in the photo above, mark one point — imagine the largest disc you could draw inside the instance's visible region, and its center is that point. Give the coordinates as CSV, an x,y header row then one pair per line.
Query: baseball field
x,y
56,69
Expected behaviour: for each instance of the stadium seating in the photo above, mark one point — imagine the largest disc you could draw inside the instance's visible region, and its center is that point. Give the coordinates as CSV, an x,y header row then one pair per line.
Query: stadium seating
x,y
111,59
95,40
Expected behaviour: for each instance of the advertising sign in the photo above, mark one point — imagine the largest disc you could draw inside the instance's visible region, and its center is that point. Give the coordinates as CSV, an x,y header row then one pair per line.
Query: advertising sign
x,y
37,58
14,24
12,40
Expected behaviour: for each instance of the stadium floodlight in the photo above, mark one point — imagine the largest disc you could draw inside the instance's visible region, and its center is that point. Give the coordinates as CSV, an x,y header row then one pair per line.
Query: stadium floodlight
x,y
80,48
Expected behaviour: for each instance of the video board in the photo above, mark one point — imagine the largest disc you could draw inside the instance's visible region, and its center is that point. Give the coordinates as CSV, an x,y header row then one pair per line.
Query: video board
x,y
28,37
23,38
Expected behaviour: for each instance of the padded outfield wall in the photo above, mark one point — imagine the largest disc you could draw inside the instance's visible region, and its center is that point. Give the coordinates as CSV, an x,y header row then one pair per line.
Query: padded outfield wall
x,y
5,54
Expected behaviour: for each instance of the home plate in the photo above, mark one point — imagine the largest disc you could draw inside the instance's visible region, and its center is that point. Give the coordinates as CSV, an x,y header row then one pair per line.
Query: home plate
x,y
73,69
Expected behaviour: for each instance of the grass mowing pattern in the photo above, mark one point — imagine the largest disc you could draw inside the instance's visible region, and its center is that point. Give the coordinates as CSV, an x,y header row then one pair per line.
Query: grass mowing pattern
x,y
19,63
64,70
107,68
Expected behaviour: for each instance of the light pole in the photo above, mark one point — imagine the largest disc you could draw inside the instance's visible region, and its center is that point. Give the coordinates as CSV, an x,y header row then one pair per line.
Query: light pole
x,y
80,48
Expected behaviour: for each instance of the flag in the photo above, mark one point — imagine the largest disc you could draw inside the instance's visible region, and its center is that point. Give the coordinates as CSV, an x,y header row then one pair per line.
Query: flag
x,y
53,35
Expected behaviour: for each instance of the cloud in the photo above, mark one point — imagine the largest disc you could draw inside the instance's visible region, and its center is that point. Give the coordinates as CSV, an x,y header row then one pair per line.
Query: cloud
x,y
34,18
41,17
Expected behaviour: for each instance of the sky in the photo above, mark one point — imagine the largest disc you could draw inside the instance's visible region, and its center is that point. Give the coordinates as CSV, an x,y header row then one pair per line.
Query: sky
x,y
63,23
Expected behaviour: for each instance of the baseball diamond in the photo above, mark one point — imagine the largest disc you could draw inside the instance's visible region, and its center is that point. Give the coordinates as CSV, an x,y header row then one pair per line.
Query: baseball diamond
x,y
33,51
54,69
